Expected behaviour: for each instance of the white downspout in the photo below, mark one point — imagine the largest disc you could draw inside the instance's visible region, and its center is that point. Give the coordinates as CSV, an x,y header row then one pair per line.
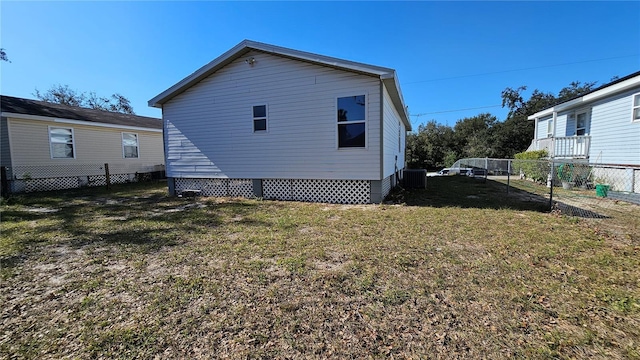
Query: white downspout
x,y
553,136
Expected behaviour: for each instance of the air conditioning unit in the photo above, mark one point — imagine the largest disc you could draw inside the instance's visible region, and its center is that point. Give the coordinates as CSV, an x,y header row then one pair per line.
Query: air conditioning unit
x,y
414,179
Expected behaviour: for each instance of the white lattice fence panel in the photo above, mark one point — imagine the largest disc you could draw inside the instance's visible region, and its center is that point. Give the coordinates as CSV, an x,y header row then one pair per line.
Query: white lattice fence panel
x,y
97,180
124,168
217,187
55,171
386,186
240,187
214,187
49,184
197,184
332,191
279,189
120,178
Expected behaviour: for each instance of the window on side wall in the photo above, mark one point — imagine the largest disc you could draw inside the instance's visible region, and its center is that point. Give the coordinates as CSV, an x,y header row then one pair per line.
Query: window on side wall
x,y
550,128
581,124
130,145
61,143
636,107
260,118
352,121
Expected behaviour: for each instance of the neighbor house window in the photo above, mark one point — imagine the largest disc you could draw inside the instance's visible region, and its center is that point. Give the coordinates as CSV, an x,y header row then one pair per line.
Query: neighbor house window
x,y
581,124
550,128
351,121
130,145
260,118
61,143
636,107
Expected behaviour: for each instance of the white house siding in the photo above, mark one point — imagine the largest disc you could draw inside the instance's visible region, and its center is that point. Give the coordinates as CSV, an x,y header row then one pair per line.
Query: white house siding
x,y
93,145
615,139
209,127
542,128
562,127
391,150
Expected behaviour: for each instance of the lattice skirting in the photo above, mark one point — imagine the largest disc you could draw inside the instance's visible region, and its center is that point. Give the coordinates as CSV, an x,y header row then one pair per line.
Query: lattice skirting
x,y
217,187
68,182
329,191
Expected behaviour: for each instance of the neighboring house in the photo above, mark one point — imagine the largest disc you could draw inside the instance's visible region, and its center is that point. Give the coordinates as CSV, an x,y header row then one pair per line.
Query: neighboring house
x,y
267,121
46,146
600,126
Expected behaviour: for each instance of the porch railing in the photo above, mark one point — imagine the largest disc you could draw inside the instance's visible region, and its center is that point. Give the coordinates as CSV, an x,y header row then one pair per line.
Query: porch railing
x,y
569,147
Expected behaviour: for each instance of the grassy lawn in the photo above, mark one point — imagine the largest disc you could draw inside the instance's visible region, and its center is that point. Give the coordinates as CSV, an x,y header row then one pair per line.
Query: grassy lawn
x,y
460,270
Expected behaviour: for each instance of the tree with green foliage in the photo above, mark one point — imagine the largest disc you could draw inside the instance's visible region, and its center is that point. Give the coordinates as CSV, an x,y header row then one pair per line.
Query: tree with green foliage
x,y
483,135
473,134
63,94
3,55
427,148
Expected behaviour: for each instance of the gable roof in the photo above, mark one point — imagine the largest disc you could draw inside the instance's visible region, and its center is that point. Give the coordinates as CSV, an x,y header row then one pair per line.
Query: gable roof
x,y
387,75
41,110
619,85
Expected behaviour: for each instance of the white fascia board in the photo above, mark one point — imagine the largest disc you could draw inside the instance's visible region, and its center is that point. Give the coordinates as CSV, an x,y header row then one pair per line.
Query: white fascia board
x,y
393,87
609,90
320,59
76,122
198,75
591,97
248,45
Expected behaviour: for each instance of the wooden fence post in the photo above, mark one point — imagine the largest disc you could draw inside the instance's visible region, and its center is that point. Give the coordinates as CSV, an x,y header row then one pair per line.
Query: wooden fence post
x,y
106,174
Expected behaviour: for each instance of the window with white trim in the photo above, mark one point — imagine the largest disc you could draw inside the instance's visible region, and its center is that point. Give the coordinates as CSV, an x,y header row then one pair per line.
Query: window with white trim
x,y
352,121
581,124
260,118
636,107
61,143
550,128
130,145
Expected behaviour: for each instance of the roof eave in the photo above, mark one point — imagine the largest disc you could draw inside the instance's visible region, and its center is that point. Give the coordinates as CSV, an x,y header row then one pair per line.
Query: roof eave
x,y
78,122
393,87
199,74
616,88
248,45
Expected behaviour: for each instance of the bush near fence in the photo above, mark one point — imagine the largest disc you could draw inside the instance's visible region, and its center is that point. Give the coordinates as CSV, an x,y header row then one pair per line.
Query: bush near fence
x,y
529,165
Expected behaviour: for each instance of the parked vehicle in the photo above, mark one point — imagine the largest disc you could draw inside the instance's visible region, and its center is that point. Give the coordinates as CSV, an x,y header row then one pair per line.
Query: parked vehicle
x,y
443,172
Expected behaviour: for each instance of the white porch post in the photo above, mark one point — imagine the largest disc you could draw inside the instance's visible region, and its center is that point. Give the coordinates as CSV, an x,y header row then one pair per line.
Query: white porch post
x,y
535,132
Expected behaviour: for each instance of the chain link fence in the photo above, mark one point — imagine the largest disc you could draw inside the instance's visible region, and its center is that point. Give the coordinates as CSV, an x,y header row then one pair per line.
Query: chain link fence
x,y
574,187
26,179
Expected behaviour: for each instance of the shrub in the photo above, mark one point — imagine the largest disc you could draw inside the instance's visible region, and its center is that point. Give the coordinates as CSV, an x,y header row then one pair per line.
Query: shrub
x,y
529,163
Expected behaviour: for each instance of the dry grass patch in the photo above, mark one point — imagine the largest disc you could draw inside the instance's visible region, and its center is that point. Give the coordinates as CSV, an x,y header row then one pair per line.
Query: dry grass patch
x,y
135,274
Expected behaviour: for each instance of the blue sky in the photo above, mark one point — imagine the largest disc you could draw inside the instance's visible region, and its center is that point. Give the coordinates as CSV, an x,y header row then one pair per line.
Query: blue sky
x,y
448,55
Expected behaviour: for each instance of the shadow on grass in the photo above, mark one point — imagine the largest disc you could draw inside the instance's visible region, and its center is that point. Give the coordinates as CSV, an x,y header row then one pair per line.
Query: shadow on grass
x,y
466,192
571,210
143,219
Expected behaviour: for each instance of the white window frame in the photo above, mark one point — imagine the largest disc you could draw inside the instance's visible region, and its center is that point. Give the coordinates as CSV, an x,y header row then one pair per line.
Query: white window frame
x,y
550,127
365,121
586,121
73,142
635,107
266,119
137,145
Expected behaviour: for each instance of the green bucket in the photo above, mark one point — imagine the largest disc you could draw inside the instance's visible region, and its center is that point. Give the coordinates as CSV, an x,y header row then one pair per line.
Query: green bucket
x,y
602,190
